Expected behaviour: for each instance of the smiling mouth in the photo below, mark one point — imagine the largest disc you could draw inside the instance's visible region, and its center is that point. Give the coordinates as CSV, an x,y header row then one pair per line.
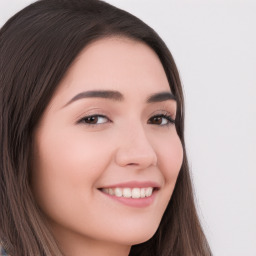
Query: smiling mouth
x,y
129,192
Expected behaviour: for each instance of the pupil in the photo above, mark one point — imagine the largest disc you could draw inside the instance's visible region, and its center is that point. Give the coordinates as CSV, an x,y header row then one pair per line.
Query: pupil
x,y
158,120
92,120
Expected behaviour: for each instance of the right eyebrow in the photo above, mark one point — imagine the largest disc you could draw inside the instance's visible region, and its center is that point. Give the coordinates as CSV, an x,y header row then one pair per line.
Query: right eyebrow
x,y
105,94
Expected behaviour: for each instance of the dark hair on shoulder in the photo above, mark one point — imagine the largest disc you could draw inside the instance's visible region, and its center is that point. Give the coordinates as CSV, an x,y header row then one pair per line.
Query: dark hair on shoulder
x,y
37,47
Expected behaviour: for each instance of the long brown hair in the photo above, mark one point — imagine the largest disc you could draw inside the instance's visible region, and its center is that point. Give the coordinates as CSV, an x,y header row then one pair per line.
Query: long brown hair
x,y
37,46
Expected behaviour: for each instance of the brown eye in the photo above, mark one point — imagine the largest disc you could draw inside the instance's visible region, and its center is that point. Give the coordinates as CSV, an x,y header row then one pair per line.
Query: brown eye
x,y
91,120
94,120
161,120
157,120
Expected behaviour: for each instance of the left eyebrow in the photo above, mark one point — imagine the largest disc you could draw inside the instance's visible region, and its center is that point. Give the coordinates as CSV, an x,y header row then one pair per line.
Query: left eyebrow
x,y
159,97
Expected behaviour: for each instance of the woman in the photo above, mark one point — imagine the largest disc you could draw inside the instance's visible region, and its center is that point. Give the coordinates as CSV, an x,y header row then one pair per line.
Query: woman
x,y
93,158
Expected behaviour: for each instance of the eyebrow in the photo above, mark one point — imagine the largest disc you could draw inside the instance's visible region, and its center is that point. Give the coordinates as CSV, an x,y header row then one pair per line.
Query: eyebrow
x,y
117,96
159,97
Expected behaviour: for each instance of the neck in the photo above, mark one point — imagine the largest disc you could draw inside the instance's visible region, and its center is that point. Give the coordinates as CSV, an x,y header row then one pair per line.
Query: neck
x,y
95,248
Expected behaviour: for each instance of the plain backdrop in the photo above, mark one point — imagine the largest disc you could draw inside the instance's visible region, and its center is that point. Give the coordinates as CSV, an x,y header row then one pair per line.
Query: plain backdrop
x,y
214,45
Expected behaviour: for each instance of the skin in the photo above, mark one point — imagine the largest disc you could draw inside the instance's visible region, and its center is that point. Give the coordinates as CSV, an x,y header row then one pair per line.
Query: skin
x,y
73,158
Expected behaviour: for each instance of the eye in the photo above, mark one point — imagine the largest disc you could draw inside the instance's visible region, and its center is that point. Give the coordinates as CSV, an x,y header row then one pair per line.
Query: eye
x,y
94,120
161,120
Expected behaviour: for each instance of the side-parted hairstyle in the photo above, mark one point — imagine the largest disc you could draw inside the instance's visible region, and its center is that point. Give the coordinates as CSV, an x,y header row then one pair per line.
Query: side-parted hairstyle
x,y
37,47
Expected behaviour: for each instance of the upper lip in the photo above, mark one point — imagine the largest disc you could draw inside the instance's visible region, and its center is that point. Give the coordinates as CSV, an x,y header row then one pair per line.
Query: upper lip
x,y
134,184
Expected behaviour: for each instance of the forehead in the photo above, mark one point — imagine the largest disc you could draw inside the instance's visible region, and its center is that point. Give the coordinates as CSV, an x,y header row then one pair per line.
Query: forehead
x,y
116,63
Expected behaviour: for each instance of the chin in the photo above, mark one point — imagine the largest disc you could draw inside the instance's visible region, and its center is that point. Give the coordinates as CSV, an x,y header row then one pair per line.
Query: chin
x,y
137,236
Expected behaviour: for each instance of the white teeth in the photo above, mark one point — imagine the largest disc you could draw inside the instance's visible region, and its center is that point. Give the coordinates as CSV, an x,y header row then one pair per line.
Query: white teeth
x,y
135,193
149,191
118,192
111,191
129,192
142,192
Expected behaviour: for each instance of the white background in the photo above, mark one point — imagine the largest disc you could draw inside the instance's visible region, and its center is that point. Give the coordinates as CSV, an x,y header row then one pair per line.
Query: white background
x,y
214,45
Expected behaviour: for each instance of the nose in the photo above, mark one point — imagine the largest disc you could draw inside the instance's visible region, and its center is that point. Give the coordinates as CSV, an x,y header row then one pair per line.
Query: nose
x,y
136,150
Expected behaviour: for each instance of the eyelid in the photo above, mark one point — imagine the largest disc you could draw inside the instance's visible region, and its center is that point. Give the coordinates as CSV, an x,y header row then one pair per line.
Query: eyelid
x,y
92,111
169,119
82,120
164,114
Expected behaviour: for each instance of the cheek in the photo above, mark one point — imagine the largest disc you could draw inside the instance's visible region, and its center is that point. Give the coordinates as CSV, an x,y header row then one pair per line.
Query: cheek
x,y
70,155
170,158
66,168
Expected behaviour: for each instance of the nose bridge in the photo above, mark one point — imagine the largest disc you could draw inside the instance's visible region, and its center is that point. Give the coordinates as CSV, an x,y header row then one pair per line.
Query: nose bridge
x,y
135,147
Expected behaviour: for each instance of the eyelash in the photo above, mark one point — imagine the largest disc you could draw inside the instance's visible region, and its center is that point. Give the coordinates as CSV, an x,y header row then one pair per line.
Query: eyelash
x,y
169,120
83,120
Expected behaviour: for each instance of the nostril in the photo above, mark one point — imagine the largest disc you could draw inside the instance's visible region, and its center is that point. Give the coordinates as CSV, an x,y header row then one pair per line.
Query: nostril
x,y
132,164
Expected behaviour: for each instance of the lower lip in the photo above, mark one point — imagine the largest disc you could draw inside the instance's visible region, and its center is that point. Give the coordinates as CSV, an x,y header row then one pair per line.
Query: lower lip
x,y
134,202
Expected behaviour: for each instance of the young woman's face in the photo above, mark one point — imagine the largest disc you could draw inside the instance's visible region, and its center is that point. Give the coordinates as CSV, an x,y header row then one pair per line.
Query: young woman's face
x,y
106,151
